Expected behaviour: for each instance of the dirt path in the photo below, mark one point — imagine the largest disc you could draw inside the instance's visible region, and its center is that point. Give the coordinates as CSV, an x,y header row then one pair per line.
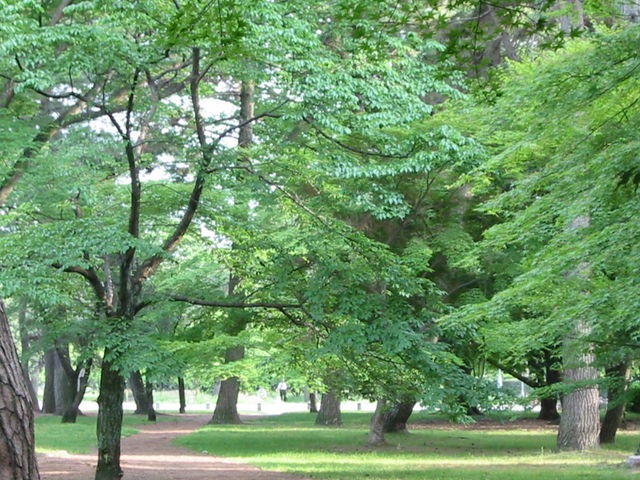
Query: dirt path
x,y
149,455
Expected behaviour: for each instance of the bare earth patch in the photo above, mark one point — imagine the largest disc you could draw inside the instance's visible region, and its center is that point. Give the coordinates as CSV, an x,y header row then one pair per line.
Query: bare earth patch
x,y
149,455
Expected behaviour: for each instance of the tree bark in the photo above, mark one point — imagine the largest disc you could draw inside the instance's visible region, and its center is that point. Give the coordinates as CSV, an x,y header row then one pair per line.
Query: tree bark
x,y
397,417
619,376
181,395
226,411
313,404
580,420
136,383
109,422
329,413
376,430
49,396
17,448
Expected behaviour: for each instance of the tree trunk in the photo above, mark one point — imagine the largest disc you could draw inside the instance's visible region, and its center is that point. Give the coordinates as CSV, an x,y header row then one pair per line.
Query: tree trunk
x,y
376,430
549,405
226,411
65,382
329,413
549,409
24,354
151,413
183,401
580,420
397,417
17,448
619,377
136,383
109,422
81,380
49,396
313,404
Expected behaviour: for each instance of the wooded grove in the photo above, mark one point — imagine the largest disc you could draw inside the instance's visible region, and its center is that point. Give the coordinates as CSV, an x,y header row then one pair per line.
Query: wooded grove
x,y
384,200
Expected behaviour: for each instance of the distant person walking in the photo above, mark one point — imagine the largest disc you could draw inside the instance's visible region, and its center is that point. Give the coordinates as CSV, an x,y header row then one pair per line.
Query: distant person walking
x,y
282,388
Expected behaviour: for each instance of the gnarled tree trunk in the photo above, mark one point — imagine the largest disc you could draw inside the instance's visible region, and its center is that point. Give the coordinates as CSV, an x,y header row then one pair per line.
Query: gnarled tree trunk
x,y
397,416
17,448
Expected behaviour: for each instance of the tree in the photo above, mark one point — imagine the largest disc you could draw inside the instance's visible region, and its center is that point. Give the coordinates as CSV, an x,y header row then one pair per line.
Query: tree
x,y
564,202
17,449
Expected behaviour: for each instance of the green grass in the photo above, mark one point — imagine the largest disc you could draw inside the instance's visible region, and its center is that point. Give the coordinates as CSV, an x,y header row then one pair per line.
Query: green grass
x,y
79,437
291,443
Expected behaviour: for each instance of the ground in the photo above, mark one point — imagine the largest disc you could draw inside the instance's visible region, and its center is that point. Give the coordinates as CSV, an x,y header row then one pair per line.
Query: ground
x,y
149,455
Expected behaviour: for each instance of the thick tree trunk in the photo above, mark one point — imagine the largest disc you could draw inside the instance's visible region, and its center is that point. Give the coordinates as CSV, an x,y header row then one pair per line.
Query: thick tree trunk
x,y
580,420
181,395
136,384
329,413
619,377
151,413
17,448
313,404
65,382
376,430
109,422
49,396
226,411
397,417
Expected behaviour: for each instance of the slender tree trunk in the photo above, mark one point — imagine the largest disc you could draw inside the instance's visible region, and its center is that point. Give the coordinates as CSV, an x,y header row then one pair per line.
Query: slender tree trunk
x,y
181,395
109,422
226,411
619,376
49,396
329,413
17,447
313,404
136,383
397,417
376,430
151,413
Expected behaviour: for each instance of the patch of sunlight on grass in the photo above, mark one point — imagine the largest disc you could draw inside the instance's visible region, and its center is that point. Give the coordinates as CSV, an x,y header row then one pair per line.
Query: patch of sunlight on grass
x,y
293,444
79,437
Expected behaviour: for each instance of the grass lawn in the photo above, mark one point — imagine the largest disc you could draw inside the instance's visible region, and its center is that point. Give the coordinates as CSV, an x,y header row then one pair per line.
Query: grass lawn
x,y
292,443
79,437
